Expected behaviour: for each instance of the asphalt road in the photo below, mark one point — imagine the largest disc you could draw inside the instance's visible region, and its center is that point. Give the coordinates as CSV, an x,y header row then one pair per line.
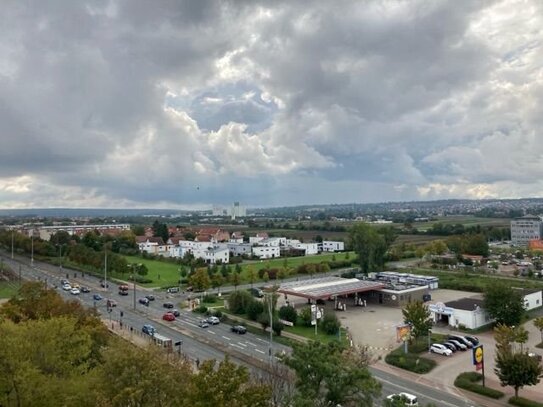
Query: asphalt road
x,y
197,343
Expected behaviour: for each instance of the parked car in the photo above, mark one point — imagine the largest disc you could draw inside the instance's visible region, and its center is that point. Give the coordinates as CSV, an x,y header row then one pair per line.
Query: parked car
x,y
450,346
111,303
96,297
461,339
406,398
64,282
148,329
150,297
473,339
173,290
441,349
75,291
213,320
103,284
239,329
203,324
168,305
168,316
459,345
144,301
85,289
67,287
176,312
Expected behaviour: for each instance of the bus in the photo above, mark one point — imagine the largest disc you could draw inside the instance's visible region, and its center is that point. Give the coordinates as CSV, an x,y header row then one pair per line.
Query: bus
x,y
162,341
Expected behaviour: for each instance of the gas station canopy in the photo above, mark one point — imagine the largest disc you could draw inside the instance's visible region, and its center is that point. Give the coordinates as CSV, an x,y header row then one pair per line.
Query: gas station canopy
x,y
328,287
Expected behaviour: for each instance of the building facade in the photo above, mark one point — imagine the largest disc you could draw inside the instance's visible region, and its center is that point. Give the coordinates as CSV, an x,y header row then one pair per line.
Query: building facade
x,y
524,229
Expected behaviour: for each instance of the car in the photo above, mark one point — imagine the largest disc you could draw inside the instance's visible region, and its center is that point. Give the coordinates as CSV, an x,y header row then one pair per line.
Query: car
x,y
97,297
536,356
408,399
239,329
461,339
168,316
148,329
450,346
111,303
150,297
256,292
103,284
459,345
203,324
441,349
85,289
75,291
168,305
473,339
144,301
67,287
213,320
173,290
64,282
176,312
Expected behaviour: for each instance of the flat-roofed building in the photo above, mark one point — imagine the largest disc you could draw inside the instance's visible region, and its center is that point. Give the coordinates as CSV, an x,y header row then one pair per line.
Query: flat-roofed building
x,y
526,228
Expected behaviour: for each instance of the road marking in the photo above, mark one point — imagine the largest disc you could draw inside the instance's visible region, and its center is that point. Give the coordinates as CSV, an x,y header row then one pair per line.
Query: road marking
x,y
261,351
239,347
227,338
250,343
211,332
440,402
261,340
189,323
242,344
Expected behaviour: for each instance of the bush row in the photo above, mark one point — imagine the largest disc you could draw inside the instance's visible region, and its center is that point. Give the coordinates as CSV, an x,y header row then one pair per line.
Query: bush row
x,y
469,381
410,361
522,402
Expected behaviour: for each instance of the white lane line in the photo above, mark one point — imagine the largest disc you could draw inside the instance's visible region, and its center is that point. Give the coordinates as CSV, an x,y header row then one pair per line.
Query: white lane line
x,y
191,324
261,340
261,351
242,344
227,338
211,332
250,343
441,402
233,344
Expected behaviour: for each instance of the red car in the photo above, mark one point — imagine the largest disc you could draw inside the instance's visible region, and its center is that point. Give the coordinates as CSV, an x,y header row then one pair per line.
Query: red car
x,y
168,316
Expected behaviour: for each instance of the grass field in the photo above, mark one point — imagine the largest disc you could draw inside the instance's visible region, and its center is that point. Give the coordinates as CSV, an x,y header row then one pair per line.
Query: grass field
x,y
166,274
309,333
464,220
7,289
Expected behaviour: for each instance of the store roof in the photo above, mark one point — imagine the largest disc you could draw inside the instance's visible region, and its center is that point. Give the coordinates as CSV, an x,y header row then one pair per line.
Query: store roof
x,y
326,287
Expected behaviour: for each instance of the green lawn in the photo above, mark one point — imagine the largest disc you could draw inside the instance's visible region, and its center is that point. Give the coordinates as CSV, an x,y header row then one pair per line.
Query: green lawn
x,y
309,332
166,274
7,290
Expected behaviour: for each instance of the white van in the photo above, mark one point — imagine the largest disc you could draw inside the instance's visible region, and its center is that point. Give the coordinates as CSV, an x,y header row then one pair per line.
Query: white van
x,y
408,399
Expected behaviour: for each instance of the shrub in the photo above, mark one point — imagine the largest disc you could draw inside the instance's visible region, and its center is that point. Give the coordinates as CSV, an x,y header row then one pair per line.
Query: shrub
x,y
468,381
254,309
288,313
330,324
522,402
264,320
217,313
210,298
305,316
202,309
277,327
410,361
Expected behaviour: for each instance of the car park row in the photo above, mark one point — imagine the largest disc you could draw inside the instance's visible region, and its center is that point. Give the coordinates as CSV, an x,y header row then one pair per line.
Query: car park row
x,y
454,343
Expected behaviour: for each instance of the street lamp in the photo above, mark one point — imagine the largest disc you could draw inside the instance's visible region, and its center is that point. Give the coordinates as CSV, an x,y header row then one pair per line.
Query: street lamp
x,y
32,249
12,241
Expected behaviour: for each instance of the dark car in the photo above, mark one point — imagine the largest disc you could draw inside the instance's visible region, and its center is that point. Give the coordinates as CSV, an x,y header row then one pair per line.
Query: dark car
x,y
459,345
111,303
168,305
85,289
203,324
144,301
168,316
449,346
148,329
473,339
176,312
96,297
103,284
256,292
239,329
150,297
461,339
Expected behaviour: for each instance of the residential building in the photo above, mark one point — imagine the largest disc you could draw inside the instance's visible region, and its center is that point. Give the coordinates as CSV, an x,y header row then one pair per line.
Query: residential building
x,y
259,236
332,246
266,252
151,245
526,228
239,249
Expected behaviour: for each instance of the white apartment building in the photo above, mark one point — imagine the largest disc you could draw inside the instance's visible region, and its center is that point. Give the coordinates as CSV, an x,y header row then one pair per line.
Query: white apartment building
x,y
239,249
266,252
332,246
524,229
273,242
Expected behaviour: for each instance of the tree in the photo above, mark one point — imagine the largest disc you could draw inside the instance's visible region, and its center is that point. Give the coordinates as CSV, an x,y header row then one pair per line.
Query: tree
x,y
235,280
216,281
239,301
538,322
288,313
330,324
253,309
370,247
305,316
329,375
160,230
200,279
251,275
417,315
517,370
504,304
227,385
477,245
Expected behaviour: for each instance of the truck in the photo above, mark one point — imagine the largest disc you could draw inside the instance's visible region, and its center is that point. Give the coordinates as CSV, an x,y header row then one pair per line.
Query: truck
x,y
123,289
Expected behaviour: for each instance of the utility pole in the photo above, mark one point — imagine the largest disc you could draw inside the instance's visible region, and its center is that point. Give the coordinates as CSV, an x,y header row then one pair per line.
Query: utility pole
x,y
60,258
134,281
270,300
32,249
12,238
105,267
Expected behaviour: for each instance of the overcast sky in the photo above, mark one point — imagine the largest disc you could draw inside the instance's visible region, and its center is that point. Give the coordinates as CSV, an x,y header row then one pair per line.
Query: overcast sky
x,y
171,104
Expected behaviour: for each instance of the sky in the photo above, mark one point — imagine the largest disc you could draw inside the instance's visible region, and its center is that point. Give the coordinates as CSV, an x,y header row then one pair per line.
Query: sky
x,y
189,104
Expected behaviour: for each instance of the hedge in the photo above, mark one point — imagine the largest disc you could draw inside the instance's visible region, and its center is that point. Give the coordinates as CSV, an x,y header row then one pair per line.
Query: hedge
x,y
468,381
522,402
410,361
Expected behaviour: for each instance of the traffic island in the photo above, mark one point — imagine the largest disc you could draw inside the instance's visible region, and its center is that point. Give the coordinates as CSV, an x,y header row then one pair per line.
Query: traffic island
x,y
470,381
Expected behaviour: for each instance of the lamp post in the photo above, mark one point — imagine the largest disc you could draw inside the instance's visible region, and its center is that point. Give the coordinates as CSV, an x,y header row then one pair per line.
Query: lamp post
x,y
12,241
32,249
270,300
134,283
429,339
60,258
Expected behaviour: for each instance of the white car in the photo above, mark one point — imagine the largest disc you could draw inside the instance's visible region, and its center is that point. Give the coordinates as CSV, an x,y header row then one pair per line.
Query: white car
x,y
441,349
66,287
213,320
75,291
408,399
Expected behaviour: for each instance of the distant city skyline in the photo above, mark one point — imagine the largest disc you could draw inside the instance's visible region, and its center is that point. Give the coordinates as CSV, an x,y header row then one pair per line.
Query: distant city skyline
x,y
194,104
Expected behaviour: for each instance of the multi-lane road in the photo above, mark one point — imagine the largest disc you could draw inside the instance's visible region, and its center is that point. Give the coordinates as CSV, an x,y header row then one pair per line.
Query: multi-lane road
x,y
198,343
